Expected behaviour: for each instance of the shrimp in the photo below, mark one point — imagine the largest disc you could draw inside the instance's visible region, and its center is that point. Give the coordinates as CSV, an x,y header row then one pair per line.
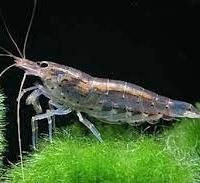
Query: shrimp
x,y
110,101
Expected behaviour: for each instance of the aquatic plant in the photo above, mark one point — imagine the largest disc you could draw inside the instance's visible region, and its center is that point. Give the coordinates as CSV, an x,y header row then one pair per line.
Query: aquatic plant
x,y
126,156
2,129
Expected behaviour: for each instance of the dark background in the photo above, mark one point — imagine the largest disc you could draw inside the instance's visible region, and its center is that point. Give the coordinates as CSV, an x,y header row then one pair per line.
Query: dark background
x,y
154,44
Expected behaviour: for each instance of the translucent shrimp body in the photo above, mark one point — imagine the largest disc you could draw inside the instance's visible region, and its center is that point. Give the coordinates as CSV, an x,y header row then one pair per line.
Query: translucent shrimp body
x,y
110,101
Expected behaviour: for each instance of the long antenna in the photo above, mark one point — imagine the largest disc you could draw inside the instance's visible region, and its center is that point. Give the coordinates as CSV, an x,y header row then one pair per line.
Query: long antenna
x,y
7,55
7,68
2,48
29,27
18,125
12,39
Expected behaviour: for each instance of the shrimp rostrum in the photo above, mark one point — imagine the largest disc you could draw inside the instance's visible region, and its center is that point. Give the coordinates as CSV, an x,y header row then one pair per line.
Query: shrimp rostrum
x,y
110,101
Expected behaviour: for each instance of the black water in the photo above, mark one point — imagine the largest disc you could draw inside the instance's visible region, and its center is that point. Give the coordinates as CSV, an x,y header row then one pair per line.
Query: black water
x,y
152,44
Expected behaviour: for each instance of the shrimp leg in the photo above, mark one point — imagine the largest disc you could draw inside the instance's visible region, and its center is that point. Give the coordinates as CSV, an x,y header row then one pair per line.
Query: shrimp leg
x,y
47,115
27,90
140,118
51,107
88,124
33,99
52,119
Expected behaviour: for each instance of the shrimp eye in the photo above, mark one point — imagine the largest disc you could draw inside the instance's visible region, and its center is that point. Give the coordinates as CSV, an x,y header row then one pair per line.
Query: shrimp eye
x,y
190,108
44,64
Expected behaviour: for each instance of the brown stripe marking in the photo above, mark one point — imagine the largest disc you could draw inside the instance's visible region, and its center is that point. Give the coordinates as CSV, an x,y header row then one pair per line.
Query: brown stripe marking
x,y
102,86
84,87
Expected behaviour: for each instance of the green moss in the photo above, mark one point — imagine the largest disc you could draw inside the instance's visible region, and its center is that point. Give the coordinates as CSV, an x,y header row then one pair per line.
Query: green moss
x,y
183,142
126,156
2,128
